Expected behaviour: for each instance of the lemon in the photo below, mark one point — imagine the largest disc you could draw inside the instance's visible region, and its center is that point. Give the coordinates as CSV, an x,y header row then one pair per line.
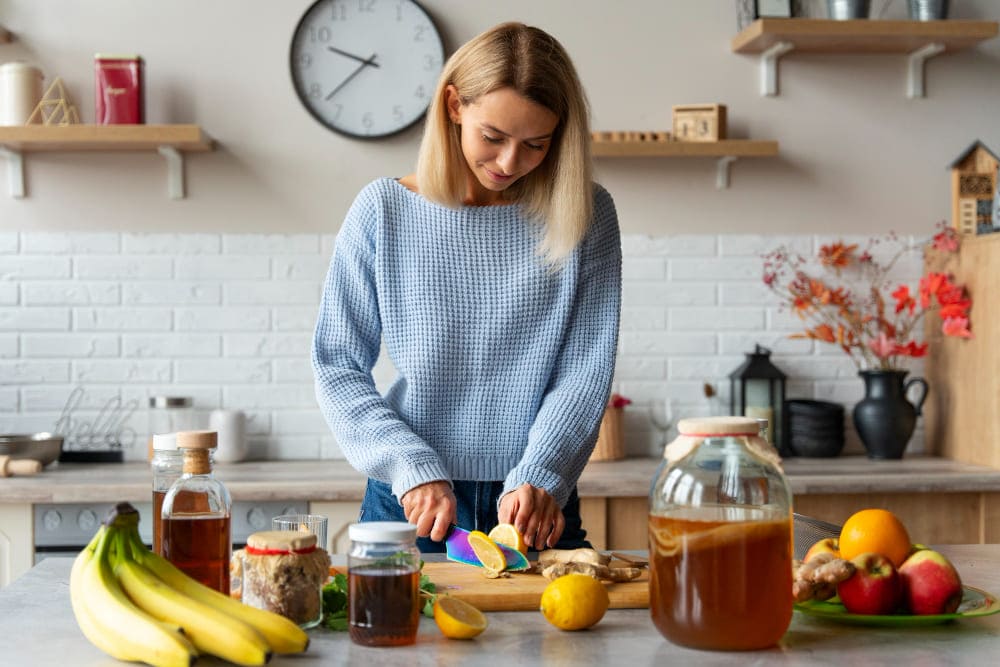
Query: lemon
x,y
507,535
574,602
458,619
487,551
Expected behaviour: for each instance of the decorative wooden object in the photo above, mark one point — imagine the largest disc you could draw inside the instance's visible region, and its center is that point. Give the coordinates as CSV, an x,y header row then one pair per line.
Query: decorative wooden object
x,y
974,190
961,414
55,108
610,439
699,122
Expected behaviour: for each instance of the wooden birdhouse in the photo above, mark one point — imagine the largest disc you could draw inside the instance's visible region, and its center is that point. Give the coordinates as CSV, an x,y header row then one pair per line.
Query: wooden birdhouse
x,y
974,190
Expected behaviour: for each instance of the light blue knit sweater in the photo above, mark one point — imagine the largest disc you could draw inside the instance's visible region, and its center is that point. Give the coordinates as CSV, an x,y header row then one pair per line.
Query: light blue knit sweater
x,y
504,365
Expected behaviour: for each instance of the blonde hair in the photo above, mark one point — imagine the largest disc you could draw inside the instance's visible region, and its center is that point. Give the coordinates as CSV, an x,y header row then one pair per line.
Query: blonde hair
x,y
559,192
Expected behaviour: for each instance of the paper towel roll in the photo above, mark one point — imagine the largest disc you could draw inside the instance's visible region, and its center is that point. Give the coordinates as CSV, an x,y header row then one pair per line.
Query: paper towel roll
x,y
20,92
231,427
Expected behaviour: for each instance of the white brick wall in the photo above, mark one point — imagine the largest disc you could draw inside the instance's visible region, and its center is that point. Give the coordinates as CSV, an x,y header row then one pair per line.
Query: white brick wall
x,y
227,319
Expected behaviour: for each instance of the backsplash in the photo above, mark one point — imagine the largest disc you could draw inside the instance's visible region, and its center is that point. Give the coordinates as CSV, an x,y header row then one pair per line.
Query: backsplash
x,y
227,319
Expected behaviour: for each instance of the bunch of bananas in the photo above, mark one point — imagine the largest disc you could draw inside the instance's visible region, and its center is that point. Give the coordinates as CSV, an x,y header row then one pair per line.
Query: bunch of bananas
x,y
135,605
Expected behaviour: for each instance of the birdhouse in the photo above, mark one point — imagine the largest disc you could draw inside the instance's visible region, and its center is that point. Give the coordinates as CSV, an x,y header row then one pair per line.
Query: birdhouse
x,y
974,190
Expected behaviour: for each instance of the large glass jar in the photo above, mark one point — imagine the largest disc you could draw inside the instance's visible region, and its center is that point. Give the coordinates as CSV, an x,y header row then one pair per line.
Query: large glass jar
x,y
383,583
167,466
720,538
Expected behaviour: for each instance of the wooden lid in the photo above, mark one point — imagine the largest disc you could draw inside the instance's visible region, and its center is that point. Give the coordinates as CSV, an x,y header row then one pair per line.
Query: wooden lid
x,y
705,426
197,439
282,541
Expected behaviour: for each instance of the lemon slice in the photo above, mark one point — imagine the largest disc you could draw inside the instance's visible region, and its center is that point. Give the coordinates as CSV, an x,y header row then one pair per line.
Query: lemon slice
x,y
458,619
487,551
507,535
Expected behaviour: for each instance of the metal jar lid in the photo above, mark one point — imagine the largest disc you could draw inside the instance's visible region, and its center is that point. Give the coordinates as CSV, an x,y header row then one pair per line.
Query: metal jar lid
x,y
169,402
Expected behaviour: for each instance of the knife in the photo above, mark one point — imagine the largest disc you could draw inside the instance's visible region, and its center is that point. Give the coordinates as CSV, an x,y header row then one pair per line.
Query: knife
x,y
456,544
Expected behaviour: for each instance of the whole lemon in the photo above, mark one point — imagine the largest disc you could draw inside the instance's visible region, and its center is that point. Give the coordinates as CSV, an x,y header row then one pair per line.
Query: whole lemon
x,y
574,602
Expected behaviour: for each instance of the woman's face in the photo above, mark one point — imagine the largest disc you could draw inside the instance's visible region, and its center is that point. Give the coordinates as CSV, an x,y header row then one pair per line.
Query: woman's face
x,y
504,137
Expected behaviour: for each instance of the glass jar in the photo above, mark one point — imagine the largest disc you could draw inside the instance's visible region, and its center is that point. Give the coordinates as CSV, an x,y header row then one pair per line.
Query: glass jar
x,y
720,538
196,515
167,465
383,583
283,571
169,414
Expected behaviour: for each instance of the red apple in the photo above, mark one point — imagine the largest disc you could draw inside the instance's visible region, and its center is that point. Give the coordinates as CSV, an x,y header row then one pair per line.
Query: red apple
x,y
826,545
874,588
931,584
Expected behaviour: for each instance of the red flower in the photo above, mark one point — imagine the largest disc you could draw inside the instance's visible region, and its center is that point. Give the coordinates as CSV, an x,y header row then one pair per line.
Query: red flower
x,y
946,240
837,255
618,401
903,299
956,326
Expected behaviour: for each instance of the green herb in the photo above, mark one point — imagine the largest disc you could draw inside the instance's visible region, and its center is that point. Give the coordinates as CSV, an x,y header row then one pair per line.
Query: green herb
x,y
335,600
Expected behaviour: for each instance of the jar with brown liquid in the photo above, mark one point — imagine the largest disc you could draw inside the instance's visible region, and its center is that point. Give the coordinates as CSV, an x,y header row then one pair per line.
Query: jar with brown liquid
x,y
167,465
196,533
720,538
383,583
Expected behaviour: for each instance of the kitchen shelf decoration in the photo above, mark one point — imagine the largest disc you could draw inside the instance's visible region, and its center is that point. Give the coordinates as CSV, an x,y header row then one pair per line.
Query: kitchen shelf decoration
x,y
636,144
170,141
975,176
920,40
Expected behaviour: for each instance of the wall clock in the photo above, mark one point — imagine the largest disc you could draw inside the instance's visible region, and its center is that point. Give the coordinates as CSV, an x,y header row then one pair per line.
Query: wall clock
x,y
366,68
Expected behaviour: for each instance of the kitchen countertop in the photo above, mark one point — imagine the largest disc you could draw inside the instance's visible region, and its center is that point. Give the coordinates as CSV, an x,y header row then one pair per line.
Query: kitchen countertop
x,y
40,630
329,480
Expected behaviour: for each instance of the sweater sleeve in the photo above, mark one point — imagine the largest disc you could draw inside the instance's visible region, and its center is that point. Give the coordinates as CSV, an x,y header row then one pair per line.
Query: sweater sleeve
x,y
565,428
346,345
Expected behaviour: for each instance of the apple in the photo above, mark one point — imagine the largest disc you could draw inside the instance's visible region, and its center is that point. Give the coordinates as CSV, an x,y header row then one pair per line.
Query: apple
x,y
826,545
874,588
931,584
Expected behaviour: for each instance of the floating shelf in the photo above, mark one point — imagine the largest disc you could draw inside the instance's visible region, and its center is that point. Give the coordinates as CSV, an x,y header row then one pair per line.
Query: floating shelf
x,y
727,151
168,140
772,38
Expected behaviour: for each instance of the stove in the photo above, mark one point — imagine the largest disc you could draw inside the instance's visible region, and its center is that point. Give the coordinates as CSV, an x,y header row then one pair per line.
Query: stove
x,y
66,528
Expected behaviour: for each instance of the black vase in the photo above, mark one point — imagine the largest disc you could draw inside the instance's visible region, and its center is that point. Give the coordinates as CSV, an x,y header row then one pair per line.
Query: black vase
x,y
885,419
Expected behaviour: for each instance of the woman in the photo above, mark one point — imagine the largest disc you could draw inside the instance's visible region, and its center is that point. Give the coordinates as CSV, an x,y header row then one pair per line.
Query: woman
x,y
493,277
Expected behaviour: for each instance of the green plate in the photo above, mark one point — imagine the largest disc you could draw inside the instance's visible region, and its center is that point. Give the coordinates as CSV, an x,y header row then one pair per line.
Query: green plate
x,y
974,603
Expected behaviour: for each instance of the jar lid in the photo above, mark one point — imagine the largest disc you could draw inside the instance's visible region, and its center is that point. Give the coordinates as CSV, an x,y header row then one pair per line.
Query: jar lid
x,y
164,441
281,542
169,402
382,531
705,426
197,439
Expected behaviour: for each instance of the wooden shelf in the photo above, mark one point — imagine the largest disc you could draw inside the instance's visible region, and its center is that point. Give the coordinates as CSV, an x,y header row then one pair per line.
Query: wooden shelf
x,y
170,141
726,151
920,40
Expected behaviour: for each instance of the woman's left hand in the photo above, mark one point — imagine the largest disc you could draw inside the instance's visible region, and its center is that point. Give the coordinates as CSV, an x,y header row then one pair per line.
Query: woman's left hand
x,y
535,514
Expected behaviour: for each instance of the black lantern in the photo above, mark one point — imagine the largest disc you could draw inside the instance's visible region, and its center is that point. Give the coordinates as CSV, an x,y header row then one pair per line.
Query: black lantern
x,y
757,389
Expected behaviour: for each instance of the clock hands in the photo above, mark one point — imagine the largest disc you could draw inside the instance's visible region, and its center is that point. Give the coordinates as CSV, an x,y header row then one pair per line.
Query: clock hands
x,y
351,55
364,63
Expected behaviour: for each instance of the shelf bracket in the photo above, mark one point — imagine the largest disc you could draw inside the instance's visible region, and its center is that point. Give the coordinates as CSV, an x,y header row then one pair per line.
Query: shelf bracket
x,y
769,67
722,171
175,171
915,68
15,172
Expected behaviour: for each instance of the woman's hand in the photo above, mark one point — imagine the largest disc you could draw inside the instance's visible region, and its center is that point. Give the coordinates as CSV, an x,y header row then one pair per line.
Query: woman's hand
x,y
535,514
431,508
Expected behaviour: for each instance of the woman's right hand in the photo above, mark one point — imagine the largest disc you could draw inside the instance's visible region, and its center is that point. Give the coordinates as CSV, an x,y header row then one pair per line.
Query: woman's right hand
x,y
432,508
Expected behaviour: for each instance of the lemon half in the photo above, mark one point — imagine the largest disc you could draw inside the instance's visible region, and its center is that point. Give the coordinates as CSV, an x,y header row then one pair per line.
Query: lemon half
x,y
458,619
487,551
507,535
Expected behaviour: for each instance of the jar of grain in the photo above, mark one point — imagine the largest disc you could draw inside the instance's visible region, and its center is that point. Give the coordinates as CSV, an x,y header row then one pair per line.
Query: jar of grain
x,y
283,571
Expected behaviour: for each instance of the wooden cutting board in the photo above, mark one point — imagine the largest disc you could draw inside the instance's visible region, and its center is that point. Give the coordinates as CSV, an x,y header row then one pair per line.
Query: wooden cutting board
x,y
519,591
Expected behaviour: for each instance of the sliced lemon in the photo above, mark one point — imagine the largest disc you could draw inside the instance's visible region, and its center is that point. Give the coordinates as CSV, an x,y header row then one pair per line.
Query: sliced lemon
x,y
458,619
487,551
507,535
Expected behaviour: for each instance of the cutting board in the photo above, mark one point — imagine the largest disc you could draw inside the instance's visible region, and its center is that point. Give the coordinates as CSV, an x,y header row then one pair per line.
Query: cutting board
x,y
519,591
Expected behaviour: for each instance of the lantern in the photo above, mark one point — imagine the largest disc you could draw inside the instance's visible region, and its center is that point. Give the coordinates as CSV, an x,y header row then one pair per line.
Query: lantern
x,y
757,389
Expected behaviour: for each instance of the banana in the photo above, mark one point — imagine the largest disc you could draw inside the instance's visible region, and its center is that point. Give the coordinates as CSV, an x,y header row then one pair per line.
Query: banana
x,y
109,619
281,634
210,630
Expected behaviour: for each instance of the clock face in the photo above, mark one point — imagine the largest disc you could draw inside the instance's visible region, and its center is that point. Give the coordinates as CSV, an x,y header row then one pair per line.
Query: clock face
x,y
366,68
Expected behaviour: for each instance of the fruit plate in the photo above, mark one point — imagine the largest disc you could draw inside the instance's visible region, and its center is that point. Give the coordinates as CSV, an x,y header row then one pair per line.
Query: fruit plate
x,y
975,602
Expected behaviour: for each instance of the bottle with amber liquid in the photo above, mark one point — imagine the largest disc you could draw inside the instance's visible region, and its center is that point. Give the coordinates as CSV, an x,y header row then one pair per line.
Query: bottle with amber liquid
x,y
167,465
196,532
720,538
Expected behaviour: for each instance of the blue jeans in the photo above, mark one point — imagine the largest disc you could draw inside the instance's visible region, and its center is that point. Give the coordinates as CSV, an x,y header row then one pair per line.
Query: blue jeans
x,y
477,510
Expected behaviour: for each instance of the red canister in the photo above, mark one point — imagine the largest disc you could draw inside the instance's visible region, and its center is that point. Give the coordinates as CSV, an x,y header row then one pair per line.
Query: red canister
x,y
118,94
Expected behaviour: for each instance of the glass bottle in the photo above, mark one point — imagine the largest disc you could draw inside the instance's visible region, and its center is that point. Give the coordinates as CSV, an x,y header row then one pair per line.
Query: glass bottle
x,y
167,466
720,538
383,583
196,515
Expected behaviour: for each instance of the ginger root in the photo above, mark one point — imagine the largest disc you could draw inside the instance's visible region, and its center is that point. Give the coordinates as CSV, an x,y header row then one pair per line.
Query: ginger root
x,y
817,578
591,556
614,574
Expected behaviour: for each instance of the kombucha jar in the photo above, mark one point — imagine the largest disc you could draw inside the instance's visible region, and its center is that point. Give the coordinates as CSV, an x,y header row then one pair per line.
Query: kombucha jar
x,y
283,571
167,466
383,583
196,529
720,538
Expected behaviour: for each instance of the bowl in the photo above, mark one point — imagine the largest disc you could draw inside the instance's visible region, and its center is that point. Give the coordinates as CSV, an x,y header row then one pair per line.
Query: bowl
x,y
42,447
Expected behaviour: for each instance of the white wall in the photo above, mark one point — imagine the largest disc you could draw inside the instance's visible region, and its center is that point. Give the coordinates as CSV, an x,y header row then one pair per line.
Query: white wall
x,y
856,154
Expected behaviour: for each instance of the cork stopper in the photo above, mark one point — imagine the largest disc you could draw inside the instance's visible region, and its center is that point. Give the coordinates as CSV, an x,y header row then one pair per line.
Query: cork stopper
x,y
282,541
197,439
706,426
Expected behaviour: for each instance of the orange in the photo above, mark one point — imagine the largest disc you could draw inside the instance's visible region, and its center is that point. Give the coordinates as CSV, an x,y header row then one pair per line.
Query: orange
x,y
875,531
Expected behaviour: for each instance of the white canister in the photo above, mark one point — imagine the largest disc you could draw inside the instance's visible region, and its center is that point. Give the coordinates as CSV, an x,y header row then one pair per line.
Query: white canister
x,y
20,92
231,427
